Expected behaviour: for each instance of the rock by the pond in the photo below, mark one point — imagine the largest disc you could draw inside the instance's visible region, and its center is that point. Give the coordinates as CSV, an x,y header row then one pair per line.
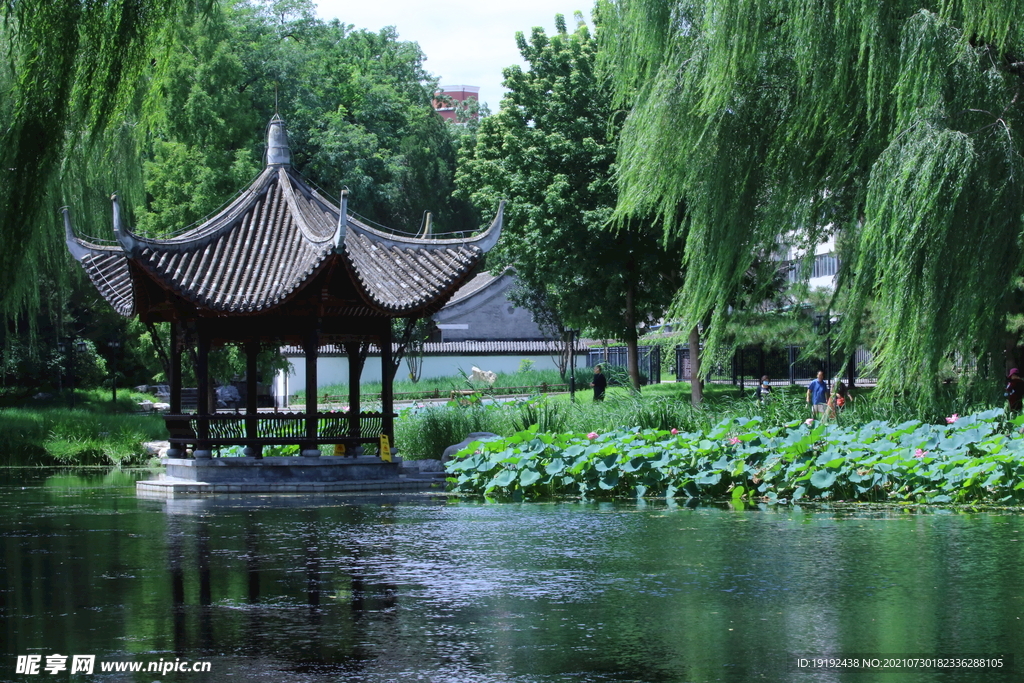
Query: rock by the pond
x,y
483,376
156,448
473,436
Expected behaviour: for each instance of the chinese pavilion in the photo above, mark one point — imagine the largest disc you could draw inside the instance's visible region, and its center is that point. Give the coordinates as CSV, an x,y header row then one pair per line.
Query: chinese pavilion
x,y
280,264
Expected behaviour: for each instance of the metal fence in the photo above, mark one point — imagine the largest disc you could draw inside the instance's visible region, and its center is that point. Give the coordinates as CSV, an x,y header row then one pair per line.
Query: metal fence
x,y
783,366
649,360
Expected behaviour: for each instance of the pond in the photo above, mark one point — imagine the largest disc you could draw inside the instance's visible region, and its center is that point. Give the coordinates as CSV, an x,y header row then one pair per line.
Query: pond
x,y
433,588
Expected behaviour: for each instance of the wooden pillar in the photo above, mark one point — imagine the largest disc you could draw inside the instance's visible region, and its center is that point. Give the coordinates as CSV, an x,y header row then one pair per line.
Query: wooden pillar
x,y
175,381
355,372
310,449
387,394
175,378
203,397
252,431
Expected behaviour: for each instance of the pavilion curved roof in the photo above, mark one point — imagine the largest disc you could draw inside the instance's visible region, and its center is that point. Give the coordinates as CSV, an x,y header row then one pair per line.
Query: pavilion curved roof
x,y
264,246
402,275
107,268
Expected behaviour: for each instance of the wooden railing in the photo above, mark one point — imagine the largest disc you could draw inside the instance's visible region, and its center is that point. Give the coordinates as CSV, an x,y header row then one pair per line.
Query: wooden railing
x,y
274,429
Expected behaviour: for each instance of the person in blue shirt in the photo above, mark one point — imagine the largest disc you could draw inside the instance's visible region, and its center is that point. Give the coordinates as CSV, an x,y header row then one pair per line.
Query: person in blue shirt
x,y
817,396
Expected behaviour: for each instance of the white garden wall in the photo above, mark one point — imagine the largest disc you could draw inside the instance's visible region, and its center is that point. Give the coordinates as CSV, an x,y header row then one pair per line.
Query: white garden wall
x,y
334,369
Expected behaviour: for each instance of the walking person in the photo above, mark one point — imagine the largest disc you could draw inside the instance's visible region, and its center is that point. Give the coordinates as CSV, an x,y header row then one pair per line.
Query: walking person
x,y
839,400
1014,391
599,383
817,396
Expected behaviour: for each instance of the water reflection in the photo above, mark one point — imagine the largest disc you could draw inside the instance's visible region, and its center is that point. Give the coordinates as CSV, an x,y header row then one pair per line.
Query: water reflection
x,y
382,588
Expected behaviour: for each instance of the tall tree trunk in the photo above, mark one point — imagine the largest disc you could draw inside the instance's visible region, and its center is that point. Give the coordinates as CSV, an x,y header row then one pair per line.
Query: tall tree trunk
x,y
632,344
562,353
696,388
161,350
405,343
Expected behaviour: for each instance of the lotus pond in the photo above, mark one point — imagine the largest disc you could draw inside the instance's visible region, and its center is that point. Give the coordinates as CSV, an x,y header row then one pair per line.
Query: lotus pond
x,y
970,458
447,589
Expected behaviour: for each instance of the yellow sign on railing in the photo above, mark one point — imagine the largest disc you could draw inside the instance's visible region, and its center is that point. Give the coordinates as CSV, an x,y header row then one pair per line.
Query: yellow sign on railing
x,y
385,448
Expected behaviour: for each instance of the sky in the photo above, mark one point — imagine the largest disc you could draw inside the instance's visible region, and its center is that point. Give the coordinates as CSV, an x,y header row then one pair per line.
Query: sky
x,y
466,42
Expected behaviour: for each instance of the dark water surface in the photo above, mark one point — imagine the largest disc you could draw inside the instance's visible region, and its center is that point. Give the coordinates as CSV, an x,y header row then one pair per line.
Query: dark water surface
x,y
429,588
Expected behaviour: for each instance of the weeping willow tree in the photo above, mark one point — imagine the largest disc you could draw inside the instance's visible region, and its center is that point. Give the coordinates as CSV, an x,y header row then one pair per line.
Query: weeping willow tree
x,y
70,77
893,126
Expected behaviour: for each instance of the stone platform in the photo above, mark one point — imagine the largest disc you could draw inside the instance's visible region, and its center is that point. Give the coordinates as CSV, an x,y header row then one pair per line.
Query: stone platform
x,y
187,477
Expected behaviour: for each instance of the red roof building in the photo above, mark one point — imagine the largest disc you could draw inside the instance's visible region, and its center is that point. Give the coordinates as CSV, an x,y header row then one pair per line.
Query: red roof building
x,y
451,96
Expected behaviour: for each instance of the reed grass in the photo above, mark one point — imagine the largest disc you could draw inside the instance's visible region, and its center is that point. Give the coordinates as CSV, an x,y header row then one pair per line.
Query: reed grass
x,y
426,431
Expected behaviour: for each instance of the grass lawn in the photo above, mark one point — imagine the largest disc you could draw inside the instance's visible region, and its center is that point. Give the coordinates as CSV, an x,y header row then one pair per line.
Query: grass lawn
x,y
48,431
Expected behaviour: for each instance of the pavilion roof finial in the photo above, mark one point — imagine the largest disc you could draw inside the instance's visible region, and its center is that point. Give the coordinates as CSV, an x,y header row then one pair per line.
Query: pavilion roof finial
x,y
278,152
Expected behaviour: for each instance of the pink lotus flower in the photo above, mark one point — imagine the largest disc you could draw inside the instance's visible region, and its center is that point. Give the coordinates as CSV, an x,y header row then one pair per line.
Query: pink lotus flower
x,y
809,421
733,441
592,435
952,418
674,431
920,453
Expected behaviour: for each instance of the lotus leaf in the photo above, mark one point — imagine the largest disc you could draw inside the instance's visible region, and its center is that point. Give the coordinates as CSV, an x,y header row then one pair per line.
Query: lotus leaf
x,y
823,479
528,477
504,478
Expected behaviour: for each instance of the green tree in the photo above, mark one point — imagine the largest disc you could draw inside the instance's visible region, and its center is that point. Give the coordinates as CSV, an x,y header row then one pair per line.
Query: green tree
x,y
358,105
550,153
71,72
891,125
166,103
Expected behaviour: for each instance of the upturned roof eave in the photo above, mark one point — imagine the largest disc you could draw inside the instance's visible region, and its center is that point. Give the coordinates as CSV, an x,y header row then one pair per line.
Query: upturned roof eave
x,y
484,241
80,248
423,305
102,264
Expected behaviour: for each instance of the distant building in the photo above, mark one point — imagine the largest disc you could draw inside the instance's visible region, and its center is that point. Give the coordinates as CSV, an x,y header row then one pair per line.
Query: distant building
x,y
453,95
479,327
481,311
820,273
